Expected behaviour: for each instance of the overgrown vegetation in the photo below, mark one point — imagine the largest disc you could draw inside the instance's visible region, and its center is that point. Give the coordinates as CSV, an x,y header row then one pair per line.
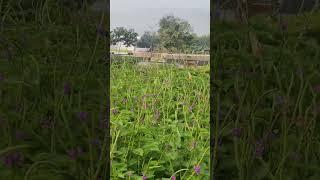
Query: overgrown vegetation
x,y
267,107
52,92
159,121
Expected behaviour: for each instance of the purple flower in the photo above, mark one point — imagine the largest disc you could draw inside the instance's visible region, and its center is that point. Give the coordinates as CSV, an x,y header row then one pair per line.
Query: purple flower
x,y
191,107
144,177
316,88
217,14
67,88
197,169
124,100
237,132
13,159
82,116
74,153
283,25
115,111
46,124
259,149
167,147
2,78
173,177
21,135
101,31
193,144
280,100
96,142
219,142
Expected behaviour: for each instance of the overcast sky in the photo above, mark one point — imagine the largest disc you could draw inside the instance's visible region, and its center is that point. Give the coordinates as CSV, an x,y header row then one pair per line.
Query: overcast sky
x,y
128,4
143,15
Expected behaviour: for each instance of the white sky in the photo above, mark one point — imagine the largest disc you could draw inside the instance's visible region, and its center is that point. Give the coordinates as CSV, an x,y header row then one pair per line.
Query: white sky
x,y
131,4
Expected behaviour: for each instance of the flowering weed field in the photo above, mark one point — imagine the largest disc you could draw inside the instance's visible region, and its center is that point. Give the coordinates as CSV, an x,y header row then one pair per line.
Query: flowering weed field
x,y
52,94
159,122
267,106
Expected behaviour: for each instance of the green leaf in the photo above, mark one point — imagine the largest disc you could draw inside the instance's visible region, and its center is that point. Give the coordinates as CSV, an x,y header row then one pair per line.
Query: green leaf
x,y
138,151
172,155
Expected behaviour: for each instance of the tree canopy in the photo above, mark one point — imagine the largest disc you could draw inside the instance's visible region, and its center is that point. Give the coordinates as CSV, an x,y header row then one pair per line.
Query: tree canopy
x,y
201,43
121,34
175,34
148,40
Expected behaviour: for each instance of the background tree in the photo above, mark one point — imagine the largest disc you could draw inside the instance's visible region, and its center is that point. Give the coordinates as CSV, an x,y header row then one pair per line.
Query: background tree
x,y
201,43
117,35
130,37
175,34
145,41
122,35
148,40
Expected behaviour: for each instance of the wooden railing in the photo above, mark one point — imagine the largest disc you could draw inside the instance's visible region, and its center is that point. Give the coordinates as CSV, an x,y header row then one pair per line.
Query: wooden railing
x,y
166,56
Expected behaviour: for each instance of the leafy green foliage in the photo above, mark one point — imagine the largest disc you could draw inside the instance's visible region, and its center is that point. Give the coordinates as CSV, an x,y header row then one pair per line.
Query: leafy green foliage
x,y
161,123
271,102
175,34
201,43
148,40
52,71
122,35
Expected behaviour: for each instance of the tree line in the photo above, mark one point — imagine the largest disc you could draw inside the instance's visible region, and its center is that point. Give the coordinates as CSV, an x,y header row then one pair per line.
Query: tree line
x,y
174,35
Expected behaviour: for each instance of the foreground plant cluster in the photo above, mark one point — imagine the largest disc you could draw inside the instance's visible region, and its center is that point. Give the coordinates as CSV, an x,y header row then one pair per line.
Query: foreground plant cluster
x,y
159,121
52,95
267,106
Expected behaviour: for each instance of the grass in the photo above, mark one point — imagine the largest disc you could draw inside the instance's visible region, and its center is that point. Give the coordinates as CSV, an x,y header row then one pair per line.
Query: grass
x,y
269,104
53,86
159,121
52,93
